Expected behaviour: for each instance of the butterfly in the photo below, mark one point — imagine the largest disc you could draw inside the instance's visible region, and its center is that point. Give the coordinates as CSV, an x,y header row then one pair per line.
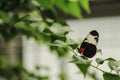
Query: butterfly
x,y
88,47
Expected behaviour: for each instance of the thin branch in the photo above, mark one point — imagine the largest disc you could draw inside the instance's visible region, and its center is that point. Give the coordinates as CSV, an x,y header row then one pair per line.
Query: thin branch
x,y
98,68
91,64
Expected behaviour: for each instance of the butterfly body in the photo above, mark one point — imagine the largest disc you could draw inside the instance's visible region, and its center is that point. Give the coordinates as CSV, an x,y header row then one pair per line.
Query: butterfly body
x,y
88,47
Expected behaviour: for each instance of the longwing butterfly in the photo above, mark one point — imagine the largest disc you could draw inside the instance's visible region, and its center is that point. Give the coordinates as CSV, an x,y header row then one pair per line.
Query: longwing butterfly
x,y
88,47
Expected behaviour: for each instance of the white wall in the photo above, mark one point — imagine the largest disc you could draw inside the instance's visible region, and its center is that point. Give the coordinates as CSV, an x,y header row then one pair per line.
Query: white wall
x,y
109,30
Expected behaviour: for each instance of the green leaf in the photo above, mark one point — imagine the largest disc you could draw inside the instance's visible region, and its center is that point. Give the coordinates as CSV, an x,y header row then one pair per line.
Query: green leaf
x,y
48,13
114,65
69,7
83,68
63,5
108,76
73,46
57,37
58,29
47,4
61,21
61,51
85,5
74,9
58,43
3,61
37,67
10,5
110,65
63,74
80,59
99,61
110,59
93,75
4,16
81,63
72,43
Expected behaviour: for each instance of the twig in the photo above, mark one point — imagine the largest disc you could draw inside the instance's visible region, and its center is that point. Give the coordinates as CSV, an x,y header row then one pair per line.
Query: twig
x,y
98,68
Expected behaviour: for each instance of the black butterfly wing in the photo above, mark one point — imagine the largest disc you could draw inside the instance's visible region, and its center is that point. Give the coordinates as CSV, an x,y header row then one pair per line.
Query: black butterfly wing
x,y
88,47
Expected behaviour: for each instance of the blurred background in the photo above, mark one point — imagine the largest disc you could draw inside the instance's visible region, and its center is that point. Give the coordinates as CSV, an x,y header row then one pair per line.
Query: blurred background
x,y
24,54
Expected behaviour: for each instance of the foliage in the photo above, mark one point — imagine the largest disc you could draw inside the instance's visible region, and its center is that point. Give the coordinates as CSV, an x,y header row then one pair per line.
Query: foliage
x,y
18,72
108,76
112,63
63,74
83,63
33,18
39,19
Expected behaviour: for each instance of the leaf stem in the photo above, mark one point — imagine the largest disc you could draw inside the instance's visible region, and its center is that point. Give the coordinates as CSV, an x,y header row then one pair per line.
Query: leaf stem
x,y
72,51
90,64
98,68
97,65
